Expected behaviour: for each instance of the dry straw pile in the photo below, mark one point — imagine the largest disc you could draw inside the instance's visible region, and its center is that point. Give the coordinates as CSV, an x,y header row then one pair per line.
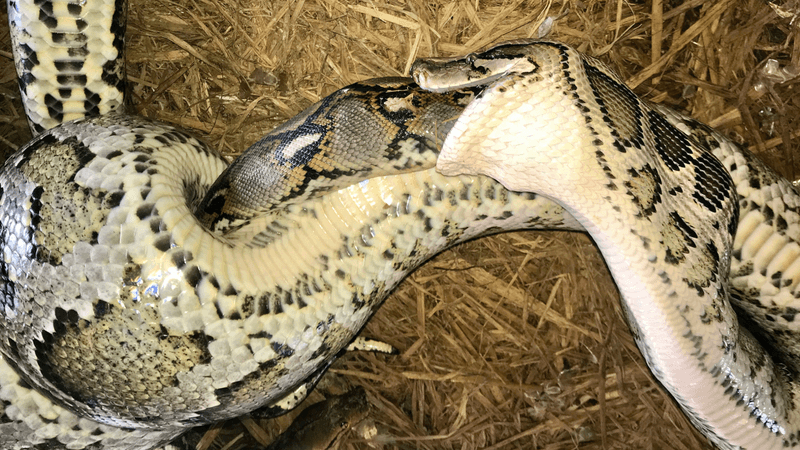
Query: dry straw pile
x,y
510,342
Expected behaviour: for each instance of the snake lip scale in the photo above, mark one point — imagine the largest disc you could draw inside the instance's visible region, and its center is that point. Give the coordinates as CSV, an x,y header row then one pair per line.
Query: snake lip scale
x,y
147,286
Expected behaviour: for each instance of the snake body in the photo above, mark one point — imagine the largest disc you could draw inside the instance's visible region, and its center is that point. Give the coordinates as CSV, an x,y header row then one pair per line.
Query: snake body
x,y
135,322
148,287
688,223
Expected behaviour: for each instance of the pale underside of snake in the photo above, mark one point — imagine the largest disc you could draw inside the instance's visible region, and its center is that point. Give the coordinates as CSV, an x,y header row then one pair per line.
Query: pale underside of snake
x,y
146,289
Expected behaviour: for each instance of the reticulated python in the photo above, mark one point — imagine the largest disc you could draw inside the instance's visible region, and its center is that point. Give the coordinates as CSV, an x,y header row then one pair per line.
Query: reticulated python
x,y
121,306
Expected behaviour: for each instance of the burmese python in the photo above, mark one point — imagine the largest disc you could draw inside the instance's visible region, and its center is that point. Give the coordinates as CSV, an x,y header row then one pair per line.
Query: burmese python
x,y
121,306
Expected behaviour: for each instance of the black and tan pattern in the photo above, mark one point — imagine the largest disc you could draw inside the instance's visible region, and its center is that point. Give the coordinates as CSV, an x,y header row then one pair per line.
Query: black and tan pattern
x,y
373,128
690,225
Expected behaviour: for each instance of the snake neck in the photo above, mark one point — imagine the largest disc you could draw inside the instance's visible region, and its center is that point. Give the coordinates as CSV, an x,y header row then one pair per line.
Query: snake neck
x,y
369,129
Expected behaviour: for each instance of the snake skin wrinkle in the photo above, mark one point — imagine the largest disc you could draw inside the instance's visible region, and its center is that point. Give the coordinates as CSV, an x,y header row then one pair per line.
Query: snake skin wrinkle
x,y
689,224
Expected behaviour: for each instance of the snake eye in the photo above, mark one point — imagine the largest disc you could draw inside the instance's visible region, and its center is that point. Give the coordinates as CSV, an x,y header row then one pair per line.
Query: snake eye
x,y
471,58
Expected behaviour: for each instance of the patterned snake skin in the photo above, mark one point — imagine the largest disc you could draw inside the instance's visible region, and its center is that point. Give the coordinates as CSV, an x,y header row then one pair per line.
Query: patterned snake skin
x,y
146,288
688,223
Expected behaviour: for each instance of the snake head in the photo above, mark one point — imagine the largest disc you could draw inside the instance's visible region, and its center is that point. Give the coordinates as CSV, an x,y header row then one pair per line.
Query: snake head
x,y
474,69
